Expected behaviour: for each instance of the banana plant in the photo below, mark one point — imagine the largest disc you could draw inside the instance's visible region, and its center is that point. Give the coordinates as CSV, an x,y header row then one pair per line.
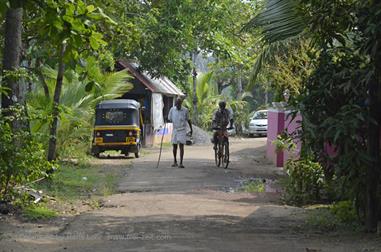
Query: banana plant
x,y
207,97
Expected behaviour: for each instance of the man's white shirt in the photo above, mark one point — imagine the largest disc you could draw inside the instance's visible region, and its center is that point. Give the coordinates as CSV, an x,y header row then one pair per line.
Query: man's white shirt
x,y
179,117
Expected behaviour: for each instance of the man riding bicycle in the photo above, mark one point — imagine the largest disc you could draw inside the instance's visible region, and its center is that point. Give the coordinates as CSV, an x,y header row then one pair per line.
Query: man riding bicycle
x,y
221,119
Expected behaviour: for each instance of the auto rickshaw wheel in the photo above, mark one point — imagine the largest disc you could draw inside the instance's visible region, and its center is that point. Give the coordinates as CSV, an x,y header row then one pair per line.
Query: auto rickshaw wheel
x,y
137,154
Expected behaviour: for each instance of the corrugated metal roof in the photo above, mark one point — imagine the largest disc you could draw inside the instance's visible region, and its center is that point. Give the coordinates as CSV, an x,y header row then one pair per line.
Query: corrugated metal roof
x,y
156,85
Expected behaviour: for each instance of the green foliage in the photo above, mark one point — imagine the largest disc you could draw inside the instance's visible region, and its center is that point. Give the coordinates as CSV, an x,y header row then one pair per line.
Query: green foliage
x,y
290,69
22,158
305,181
254,186
345,211
34,213
170,31
338,216
334,111
284,142
323,219
76,23
4,90
207,97
279,22
77,105
241,109
19,74
338,101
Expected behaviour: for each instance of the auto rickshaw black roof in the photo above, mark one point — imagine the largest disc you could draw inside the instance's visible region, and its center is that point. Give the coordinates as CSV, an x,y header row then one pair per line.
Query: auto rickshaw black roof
x,y
118,104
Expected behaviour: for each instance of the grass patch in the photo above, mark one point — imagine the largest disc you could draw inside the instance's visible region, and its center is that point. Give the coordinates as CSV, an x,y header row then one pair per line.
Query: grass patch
x,y
334,217
73,182
321,218
253,186
34,213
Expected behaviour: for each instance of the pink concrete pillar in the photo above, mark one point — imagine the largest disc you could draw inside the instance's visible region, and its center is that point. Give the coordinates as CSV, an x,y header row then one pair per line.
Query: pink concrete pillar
x,y
292,125
280,121
275,126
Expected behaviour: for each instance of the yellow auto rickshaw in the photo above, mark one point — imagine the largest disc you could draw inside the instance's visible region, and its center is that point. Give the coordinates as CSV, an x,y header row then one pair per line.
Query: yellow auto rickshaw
x,y
117,127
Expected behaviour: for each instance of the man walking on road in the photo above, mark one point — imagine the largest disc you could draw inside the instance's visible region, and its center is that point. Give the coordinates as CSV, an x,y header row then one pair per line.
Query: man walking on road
x,y
179,116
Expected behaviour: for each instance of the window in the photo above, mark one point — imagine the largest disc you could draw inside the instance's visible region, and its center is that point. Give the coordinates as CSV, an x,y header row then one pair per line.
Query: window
x,y
117,117
114,117
260,115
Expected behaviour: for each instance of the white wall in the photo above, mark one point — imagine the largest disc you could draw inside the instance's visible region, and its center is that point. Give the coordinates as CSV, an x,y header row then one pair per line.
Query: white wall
x,y
157,111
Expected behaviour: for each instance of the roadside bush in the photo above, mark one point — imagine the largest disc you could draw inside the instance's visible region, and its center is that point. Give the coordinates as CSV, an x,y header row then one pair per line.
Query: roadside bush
x,y
338,216
322,218
22,159
284,142
344,211
305,181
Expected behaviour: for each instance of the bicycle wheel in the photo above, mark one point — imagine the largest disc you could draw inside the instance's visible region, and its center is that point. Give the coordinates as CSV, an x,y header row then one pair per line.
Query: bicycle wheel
x,y
220,154
227,154
216,159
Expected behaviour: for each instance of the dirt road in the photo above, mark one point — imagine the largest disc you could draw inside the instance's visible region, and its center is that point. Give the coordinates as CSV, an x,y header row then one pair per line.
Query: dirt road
x,y
198,208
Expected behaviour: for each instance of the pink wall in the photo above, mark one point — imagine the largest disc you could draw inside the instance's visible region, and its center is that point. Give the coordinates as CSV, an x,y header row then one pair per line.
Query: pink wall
x,y
292,126
275,125
278,121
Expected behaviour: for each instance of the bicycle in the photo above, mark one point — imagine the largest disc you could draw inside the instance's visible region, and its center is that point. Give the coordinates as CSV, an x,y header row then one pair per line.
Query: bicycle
x,y
221,152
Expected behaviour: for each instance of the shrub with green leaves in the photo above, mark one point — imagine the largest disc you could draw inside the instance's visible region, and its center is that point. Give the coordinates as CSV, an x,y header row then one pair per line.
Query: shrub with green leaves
x,y
305,181
345,211
338,216
284,142
22,159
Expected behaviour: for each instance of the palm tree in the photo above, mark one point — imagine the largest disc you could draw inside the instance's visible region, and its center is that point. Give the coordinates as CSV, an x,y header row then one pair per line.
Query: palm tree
x,y
77,103
207,98
281,23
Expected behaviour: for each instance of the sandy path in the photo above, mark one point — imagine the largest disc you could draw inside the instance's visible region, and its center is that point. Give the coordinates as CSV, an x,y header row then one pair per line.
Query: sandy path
x,y
191,209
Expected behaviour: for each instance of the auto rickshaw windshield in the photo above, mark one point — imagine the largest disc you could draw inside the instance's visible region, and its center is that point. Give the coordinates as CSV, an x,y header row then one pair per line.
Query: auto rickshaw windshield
x,y
117,117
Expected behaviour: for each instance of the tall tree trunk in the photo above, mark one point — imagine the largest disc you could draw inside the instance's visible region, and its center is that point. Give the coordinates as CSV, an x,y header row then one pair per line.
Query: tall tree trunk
x,y
56,103
194,75
374,170
373,173
12,52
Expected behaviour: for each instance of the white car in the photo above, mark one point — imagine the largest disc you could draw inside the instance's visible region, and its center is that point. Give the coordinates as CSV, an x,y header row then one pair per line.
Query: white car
x,y
258,124
232,132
